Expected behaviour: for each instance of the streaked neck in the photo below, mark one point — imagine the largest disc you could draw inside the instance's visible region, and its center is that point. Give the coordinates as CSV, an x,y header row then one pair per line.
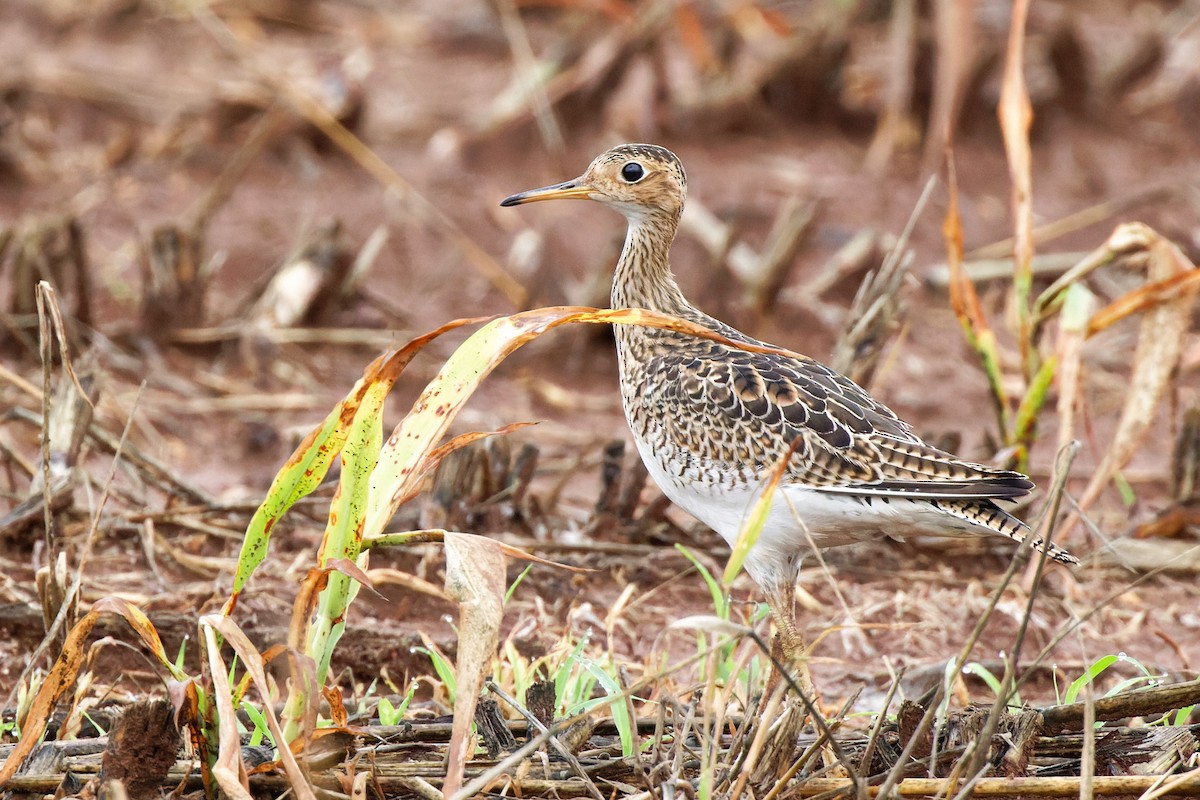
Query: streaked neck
x,y
643,277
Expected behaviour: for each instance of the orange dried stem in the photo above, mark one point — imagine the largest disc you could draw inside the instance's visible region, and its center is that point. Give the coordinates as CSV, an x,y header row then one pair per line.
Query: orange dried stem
x,y
964,300
1016,116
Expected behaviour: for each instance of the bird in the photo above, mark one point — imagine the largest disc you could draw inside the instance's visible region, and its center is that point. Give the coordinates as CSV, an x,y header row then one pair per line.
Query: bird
x,y
713,422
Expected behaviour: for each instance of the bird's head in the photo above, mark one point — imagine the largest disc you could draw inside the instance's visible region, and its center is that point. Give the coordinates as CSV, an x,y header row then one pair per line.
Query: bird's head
x,y
642,181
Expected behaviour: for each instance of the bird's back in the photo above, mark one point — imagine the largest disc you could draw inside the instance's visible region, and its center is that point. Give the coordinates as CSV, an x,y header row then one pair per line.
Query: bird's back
x,y
712,421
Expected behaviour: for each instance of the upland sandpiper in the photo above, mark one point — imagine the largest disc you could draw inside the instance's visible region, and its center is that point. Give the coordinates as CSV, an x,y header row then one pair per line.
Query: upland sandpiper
x,y
711,421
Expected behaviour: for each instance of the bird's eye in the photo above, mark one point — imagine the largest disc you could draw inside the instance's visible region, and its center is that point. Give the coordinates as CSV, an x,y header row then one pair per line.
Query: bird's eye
x,y
633,172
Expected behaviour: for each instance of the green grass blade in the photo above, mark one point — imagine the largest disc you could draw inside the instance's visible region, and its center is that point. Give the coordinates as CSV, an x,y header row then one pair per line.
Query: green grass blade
x,y
444,670
1131,683
720,600
386,712
1025,426
513,587
1094,671
260,723
984,674
617,705
564,699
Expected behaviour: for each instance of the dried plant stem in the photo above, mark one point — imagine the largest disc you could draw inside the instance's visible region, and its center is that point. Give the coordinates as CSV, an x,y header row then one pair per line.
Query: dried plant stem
x,y
527,68
926,722
1016,116
965,302
1084,218
1185,785
368,159
533,721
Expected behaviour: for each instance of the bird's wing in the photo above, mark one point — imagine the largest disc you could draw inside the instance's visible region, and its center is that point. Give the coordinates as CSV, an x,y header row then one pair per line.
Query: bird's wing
x,y
844,440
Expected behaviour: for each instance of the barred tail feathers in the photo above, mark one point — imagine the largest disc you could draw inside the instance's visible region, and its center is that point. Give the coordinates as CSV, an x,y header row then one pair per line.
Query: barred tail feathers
x,y
987,514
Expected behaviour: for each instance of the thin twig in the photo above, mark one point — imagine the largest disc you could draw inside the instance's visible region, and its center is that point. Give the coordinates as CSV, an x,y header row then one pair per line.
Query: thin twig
x,y
876,729
927,718
982,743
1082,219
60,620
527,73
45,295
368,159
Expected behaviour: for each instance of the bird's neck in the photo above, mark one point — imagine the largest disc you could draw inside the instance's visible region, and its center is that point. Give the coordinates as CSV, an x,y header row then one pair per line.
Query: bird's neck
x,y
643,276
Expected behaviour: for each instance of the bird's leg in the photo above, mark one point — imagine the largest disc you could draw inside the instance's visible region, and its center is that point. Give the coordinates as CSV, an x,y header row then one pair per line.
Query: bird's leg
x,y
787,647
782,714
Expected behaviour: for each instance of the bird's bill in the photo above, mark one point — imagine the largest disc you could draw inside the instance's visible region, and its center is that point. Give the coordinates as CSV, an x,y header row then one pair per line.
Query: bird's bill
x,y
571,190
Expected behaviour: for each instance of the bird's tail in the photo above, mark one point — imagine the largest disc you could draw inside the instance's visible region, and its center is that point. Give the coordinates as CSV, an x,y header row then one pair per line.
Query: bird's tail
x,y
987,514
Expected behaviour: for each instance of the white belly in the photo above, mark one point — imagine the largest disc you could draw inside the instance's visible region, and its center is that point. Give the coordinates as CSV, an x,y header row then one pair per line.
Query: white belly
x,y
800,519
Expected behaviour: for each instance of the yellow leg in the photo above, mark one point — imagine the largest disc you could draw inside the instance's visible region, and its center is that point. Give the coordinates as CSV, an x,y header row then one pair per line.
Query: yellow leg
x,y
783,721
788,646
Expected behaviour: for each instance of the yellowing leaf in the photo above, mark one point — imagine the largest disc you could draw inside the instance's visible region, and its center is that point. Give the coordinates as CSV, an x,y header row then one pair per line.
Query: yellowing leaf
x,y
307,466
252,661
1159,347
756,519
403,458
475,577
62,675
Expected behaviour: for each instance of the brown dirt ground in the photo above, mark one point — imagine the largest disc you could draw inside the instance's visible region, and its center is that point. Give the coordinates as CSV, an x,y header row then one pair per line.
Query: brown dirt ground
x,y
123,115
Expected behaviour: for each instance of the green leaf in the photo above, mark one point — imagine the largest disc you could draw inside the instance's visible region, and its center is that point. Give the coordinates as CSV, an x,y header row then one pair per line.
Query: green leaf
x,y
443,668
720,600
260,723
1095,670
390,714
344,530
984,674
302,473
567,693
508,595
618,706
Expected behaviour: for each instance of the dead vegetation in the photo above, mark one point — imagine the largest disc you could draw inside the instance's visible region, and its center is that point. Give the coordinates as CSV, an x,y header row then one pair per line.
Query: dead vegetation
x,y
175,350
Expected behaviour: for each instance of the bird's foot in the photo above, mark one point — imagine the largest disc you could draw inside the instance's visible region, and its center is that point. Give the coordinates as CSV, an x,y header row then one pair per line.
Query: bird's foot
x,y
783,717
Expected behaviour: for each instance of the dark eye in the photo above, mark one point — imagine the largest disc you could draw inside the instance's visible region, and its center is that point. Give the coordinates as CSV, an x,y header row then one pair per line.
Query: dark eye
x,y
633,172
